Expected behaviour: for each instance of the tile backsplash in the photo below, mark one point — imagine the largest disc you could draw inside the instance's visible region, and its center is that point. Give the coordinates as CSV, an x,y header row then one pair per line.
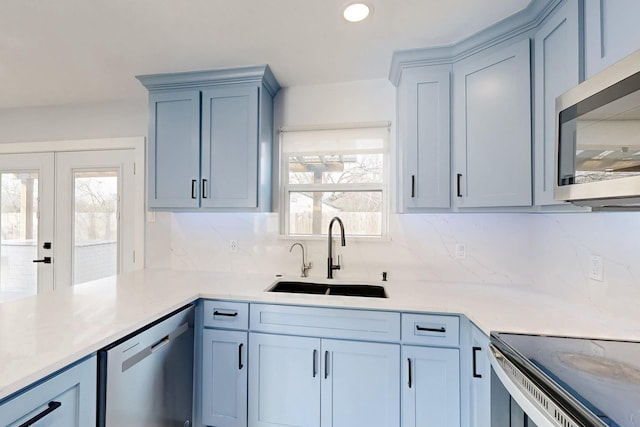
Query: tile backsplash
x,y
545,252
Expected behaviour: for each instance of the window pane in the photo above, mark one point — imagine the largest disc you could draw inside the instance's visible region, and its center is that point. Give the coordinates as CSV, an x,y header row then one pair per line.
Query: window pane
x,y
95,249
19,236
360,211
336,169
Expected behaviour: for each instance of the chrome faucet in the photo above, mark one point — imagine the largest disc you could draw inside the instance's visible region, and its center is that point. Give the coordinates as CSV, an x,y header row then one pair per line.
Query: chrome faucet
x,y
330,265
304,270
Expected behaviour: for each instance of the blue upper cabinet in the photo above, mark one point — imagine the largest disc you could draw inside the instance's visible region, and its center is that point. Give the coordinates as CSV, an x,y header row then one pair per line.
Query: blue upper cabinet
x,y
174,149
424,138
558,67
210,139
492,128
229,161
611,32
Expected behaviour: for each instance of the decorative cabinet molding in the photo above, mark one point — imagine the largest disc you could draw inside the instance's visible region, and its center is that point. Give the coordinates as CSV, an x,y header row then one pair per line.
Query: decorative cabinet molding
x,y
210,139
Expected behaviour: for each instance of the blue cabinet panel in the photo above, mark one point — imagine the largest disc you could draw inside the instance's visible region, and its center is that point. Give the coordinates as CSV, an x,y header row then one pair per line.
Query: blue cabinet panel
x,y
230,147
224,378
174,149
424,138
431,387
611,32
480,379
492,127
69,397
361,384
284,385
558,68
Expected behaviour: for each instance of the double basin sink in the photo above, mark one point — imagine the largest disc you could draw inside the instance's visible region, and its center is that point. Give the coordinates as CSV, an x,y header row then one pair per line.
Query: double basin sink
x,y
343,289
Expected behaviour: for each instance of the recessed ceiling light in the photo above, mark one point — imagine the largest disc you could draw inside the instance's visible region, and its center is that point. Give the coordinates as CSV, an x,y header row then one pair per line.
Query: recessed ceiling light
x,y
356,12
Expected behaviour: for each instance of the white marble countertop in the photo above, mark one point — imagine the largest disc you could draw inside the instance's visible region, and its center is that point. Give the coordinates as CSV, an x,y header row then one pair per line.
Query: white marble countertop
x,y
42,334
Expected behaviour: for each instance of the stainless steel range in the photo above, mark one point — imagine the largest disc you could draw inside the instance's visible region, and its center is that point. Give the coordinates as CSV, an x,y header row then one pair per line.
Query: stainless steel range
x,y
569,382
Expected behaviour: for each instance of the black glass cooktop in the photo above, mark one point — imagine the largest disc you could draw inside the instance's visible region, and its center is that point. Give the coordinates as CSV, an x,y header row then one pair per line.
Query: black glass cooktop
x,y
603,375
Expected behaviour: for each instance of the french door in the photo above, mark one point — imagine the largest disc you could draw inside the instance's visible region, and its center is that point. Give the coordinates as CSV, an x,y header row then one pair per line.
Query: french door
x,y
67,218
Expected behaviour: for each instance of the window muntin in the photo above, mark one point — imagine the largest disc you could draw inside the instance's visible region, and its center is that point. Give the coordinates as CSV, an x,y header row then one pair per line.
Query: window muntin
x,y
340,172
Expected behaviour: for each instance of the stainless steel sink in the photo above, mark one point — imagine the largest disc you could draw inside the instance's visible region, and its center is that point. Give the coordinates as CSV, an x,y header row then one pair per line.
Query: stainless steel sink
x,y
344,289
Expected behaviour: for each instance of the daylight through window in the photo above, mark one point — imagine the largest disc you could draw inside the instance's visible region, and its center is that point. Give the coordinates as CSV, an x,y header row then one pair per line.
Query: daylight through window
x,y
338,172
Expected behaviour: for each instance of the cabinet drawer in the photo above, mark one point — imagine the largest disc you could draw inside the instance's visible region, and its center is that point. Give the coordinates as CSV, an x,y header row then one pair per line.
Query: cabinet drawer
x,y
65,399
431,329
326,322
227,315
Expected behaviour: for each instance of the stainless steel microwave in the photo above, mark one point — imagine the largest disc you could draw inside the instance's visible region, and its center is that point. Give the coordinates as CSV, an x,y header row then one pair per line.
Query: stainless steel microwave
x,y
598,139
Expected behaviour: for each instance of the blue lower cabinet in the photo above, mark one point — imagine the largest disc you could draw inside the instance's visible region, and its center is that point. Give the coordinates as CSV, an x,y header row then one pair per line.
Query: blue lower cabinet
x,y
313,382
67,399
284,381
224,378
431,387
360,384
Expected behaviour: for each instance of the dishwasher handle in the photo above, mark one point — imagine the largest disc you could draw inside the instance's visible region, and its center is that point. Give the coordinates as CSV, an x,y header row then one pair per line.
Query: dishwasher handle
x,y
143,354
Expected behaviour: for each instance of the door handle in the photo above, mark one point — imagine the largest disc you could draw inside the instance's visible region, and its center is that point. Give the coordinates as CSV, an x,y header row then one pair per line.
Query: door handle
x,y
240,365
52,406
475,362
315,367
409,363
326,364
221,313
458,189
194,184
413,186
204,188
45,260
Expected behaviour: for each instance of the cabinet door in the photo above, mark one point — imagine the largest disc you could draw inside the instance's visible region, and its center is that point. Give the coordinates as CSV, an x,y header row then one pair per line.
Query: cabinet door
x,y
224,378
557,69
425,137
65,400
480,410
361,384
230,147
284,381
611,32
174,149
492,128
431,387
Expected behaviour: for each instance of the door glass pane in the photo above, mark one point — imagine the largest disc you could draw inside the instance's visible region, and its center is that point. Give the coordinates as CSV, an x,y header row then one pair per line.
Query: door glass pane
x,y
95,247
19,235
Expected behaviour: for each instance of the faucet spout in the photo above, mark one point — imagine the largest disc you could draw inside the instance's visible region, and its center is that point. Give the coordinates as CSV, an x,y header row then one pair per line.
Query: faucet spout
x,y
330,265
304,270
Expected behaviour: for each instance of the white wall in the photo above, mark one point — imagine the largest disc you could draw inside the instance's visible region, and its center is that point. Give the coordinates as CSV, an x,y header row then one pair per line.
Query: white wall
x,y
112,119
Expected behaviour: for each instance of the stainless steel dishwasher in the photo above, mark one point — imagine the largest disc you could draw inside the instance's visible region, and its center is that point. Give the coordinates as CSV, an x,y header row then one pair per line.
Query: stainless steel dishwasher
x,y
146,378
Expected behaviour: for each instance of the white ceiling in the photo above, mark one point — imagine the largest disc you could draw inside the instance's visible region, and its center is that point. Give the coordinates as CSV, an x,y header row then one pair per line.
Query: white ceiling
x,y
78,51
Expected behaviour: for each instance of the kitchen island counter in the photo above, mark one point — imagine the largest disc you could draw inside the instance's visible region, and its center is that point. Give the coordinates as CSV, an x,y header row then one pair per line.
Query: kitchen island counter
x,y
42,334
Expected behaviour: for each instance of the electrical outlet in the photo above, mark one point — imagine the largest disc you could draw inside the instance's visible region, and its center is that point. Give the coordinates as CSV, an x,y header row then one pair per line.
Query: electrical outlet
x,y
461,251
233,246
596,268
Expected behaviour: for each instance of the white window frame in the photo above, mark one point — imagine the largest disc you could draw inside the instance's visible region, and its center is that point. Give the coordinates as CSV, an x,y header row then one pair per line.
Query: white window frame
x,y
286,189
